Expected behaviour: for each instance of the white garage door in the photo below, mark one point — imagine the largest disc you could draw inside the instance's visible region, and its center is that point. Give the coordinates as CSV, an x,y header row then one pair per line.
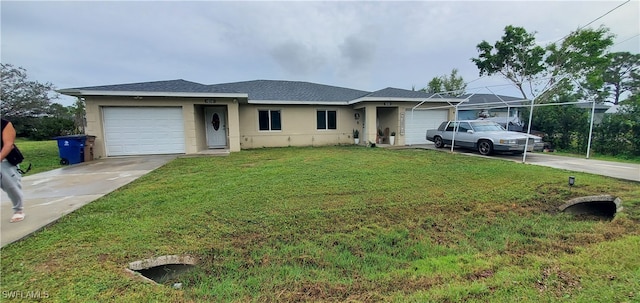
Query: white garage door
x,y
143,130
416,124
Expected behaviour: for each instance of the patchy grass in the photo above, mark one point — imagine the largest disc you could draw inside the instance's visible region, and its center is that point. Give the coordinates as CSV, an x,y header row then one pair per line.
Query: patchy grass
x,y
43,155
337,224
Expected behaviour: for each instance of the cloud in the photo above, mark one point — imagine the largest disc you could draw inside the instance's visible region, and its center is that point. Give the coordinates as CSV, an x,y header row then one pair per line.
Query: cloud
x,y
297,59
358,51
365,45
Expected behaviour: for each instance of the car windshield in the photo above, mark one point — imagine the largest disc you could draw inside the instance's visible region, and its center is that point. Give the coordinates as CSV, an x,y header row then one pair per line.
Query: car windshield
x,y
486,126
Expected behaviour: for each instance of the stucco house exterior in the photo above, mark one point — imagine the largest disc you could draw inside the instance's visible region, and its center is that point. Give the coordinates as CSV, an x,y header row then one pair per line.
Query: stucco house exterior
x,y
183,117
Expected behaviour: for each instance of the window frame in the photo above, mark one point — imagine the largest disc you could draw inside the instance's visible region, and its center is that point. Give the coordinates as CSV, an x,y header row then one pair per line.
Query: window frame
x,y
327,120
270,120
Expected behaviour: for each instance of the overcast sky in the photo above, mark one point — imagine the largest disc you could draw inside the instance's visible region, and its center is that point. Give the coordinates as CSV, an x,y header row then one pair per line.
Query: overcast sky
x,y
361,45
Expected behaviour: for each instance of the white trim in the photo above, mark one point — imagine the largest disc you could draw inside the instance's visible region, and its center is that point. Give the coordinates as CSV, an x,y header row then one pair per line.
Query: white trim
x,y
326,121
149,94
396,99
280,102
269,110
342,103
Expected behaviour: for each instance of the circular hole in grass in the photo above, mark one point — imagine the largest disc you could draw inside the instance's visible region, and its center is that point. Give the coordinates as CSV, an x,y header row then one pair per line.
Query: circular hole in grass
x,y
163,269
598,207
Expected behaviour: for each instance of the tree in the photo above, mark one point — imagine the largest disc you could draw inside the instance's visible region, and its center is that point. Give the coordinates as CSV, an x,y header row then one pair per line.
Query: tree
x,y
565,127
78,110
619,133
578,62
516,57
452,84
535,70
621,75
434,86
21,97
28,105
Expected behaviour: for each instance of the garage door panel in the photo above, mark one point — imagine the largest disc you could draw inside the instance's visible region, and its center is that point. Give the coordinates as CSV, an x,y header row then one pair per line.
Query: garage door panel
x,y
419,121
143,130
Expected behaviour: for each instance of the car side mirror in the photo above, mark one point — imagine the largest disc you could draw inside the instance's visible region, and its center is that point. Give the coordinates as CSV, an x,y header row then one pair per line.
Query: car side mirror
x,y
470,131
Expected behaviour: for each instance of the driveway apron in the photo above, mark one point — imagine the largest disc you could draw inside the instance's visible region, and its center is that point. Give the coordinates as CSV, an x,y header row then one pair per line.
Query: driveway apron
x,y
53,194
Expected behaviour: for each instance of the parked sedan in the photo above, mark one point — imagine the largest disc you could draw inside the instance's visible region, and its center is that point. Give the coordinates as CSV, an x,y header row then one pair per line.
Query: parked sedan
x,y
482,135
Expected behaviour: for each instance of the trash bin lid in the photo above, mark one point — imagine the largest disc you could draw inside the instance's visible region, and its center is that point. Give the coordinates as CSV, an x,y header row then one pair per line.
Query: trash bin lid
x,y
72,137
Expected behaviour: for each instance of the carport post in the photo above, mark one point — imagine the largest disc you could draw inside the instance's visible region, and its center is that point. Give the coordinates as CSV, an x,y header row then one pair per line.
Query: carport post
x,y
455,130
593,112
526,144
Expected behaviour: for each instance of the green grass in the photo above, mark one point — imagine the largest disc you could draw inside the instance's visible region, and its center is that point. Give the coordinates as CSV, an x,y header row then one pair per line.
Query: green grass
x,y
337,224
43,155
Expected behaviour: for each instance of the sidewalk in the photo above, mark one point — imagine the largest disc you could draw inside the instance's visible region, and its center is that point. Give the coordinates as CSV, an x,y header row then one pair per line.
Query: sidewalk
x,y
53,194
619,170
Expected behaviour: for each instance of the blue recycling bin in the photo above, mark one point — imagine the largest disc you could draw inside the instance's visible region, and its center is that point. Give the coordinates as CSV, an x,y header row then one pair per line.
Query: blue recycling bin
x,y
71,149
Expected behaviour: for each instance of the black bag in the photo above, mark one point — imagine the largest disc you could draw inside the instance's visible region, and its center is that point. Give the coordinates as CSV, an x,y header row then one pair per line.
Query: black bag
x,y
15,157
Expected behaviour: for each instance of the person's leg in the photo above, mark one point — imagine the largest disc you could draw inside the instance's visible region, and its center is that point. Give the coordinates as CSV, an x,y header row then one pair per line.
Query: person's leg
x,y
10,181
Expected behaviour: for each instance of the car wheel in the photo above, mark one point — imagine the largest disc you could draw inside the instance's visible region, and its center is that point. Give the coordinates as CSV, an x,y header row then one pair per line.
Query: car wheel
x,y
437,141
485,147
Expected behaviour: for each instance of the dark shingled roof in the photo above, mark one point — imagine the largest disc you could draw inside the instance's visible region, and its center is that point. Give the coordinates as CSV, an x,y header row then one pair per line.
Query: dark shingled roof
x,y
290,91
391,92
181,86
278,90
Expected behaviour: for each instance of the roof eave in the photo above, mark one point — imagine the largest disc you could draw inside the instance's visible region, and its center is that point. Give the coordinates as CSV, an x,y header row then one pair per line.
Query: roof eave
x,y
398,99
295,102
80,93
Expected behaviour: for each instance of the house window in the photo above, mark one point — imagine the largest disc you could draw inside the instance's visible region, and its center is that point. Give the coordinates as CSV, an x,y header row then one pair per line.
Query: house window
x,y
326,119
269,120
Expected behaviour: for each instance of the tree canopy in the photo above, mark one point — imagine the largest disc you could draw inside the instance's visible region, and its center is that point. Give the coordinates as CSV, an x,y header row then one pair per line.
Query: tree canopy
x,y
574,63
621,75
21,97
452,84
28,105
516,57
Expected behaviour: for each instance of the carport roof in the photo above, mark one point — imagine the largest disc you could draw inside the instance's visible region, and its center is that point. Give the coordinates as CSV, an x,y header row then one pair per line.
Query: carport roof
x,y
492,99
391,92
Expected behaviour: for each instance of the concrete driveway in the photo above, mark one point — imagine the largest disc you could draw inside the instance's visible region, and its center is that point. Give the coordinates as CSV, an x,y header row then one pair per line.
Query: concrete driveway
x,y
625,171
53,194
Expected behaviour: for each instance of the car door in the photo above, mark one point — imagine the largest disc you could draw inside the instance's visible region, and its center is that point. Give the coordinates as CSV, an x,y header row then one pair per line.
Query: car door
x,y
447,134
463,137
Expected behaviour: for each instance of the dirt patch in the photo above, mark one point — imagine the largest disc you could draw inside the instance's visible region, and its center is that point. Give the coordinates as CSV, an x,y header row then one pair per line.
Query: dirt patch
x,y
559,282
359,291
478,275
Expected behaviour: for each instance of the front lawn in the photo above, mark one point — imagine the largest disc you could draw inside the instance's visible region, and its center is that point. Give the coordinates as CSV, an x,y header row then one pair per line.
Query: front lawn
x,y
42,155
337,224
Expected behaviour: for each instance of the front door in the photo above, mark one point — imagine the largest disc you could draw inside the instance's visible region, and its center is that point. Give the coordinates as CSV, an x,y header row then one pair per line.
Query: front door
x,y
216,126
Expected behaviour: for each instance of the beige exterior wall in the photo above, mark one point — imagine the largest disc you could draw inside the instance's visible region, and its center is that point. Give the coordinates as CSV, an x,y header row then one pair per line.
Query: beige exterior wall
x,y
298,126
298,122
381,115
192,111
